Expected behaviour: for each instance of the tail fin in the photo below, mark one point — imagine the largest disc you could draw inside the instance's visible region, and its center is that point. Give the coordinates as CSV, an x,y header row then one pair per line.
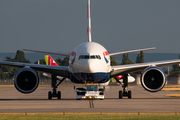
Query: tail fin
x,y
49,60
89,21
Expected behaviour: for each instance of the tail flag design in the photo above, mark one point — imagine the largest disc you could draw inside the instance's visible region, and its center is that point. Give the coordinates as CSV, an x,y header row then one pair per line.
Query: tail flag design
x,y
49,60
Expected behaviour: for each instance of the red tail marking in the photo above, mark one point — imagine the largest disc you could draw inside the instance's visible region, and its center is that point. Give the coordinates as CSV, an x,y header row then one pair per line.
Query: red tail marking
x,y
52,62
90,30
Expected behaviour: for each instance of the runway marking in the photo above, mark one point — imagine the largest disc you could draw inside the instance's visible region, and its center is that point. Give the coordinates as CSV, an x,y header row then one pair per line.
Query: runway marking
x,y
171,89
91,103
173,95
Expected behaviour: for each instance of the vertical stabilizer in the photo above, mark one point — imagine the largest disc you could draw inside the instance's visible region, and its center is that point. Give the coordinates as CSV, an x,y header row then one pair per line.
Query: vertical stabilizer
x,y
49,60
89,21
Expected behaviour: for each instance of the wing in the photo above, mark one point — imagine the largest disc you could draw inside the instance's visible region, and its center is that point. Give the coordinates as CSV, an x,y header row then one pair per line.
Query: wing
x,y
124,69
56,70
130,51
54,53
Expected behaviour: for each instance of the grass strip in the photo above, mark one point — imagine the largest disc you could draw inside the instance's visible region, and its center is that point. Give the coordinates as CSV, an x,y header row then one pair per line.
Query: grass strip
x,y
89,116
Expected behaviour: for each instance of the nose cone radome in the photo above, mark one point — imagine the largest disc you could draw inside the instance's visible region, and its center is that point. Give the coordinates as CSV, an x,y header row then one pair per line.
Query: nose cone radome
x,y
92,67
88,67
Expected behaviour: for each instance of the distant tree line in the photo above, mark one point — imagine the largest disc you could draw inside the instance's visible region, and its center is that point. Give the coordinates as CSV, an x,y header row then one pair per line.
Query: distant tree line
x,y
59,61
176,68
8,72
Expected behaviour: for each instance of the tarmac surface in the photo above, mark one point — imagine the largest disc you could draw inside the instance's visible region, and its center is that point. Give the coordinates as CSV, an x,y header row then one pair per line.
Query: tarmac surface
x,y
12,101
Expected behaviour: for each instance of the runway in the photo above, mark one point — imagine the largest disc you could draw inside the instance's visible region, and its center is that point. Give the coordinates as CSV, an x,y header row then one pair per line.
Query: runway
x,y
11,101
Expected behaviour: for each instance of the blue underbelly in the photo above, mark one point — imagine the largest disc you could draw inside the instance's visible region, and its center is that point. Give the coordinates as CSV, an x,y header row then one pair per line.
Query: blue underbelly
x,y
90,77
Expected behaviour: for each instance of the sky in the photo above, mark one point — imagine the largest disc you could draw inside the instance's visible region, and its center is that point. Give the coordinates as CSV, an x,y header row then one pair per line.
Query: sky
x,y
118,25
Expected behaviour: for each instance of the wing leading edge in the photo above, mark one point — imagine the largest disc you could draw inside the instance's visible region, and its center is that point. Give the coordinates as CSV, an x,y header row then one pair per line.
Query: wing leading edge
x,y
124,69
54,53
55,70
130,51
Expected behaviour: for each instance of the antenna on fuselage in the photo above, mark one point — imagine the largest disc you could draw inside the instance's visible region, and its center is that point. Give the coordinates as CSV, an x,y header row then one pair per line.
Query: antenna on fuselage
x,y
89,21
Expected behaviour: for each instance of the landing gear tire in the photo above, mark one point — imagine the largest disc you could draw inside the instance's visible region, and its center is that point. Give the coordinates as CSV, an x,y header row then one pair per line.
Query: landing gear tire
x,y
59,95
129,94
49,95
120,94
55,85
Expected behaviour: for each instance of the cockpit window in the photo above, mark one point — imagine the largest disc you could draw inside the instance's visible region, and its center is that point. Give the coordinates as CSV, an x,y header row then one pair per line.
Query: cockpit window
x,y
93,57
98,57
81,57
86,57
89,57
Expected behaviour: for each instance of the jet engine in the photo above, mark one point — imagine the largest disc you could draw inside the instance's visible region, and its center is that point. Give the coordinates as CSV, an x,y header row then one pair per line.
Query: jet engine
x,y
153,79
26,80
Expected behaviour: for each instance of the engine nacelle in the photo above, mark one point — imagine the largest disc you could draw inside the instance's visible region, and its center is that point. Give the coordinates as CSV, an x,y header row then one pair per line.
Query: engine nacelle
x,y
153,79
26,80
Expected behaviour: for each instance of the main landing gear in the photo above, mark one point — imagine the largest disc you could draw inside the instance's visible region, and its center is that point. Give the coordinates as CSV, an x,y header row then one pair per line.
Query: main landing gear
x,y
54,85
124,93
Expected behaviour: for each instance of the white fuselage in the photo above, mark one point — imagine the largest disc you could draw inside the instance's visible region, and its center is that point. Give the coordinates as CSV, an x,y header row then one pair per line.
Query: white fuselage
x,y
90,61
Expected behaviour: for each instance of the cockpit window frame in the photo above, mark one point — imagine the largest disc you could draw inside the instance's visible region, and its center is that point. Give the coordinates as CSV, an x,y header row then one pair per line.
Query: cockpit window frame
x,y
89,57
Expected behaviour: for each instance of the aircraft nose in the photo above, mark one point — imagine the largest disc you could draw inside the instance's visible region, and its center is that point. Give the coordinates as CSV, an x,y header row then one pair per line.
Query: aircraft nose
x,y
88,66
91,66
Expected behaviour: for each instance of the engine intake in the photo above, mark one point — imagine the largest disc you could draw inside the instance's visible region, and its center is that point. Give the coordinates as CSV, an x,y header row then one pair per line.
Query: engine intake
x,y
26,80
153,79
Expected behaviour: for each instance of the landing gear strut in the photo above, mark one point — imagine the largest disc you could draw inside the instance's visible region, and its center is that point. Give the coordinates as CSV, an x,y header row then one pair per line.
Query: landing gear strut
x,y
124,93
54,85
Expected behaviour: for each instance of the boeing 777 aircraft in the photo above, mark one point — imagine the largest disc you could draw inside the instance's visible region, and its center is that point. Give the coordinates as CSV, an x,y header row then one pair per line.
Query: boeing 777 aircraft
x,y
89,62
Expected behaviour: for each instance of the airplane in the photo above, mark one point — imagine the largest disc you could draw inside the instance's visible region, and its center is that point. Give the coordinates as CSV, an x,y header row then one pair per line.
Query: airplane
x,y
50,61
89,62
